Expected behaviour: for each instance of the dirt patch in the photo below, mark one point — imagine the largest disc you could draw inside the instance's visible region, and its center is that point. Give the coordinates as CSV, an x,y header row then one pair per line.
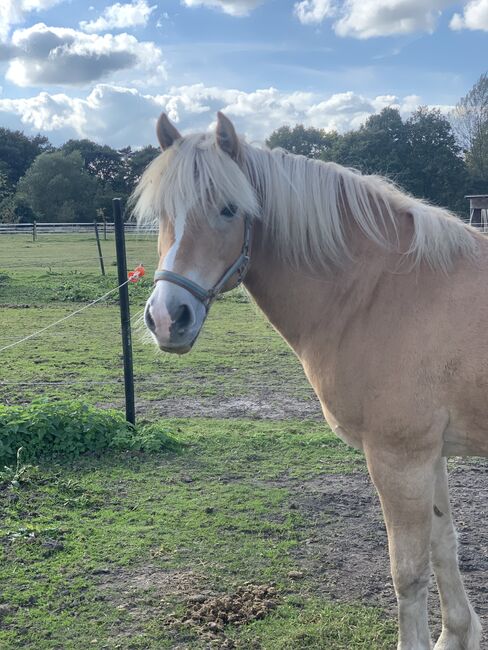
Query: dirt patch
x,y
143,593
269,406
125,583
345,554
208,615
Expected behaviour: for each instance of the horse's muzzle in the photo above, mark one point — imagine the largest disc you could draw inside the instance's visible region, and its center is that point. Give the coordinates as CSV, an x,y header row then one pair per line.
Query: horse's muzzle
x,y
174,318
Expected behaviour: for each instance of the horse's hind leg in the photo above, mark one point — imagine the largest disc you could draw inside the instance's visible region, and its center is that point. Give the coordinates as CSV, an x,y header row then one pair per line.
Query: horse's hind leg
x,y
461,629
405,485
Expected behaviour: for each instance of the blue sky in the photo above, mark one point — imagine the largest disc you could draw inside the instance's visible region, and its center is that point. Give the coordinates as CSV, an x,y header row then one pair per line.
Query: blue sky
x,y
105,70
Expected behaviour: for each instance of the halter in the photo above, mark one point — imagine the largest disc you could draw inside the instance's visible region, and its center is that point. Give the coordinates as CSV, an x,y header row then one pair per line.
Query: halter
x,y
239,268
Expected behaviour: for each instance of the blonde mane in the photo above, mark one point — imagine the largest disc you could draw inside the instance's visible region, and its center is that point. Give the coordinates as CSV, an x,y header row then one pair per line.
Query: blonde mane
x,y
301,202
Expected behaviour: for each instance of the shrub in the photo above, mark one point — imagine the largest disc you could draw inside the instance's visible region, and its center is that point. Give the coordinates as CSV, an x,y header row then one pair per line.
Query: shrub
x,y
70,428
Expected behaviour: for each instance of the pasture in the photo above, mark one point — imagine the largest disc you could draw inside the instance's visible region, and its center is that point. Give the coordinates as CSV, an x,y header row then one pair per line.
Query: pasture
x,y
262,505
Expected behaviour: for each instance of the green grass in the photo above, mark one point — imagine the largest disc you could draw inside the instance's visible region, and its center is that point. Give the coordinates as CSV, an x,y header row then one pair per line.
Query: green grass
x,y
82,540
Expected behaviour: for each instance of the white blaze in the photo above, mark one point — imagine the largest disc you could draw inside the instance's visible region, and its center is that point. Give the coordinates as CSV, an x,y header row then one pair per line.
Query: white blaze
x,y
159,311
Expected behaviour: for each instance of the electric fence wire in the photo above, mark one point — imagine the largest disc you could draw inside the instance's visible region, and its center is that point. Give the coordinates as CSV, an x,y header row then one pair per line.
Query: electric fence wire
x,y
78,311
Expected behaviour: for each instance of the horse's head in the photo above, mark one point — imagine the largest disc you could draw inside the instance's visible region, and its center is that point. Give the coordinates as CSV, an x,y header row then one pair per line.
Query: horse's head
x,y
204,204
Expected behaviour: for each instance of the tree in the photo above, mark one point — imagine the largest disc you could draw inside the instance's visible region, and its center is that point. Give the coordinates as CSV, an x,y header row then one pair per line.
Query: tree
x,y
18,152
437,170
58,188
477,161
6,188
420,154
137,161
470,124
380,146
100,161
15,209
310,142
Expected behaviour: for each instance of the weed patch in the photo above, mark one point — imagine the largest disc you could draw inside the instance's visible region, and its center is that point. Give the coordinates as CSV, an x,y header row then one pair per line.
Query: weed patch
x,y
70,428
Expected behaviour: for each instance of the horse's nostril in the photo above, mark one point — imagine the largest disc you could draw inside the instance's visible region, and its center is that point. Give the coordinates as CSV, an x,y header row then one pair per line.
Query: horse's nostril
x,y
182,318
149,320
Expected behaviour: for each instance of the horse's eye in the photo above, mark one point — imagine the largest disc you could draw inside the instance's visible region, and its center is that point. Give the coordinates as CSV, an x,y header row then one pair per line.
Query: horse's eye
x,y
229,211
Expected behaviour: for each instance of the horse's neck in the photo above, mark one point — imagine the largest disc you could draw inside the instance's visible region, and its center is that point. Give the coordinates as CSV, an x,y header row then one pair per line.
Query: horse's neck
x,y
312,306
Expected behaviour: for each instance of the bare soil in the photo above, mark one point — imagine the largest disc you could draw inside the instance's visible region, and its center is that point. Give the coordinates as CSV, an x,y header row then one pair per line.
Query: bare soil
x,y
268,405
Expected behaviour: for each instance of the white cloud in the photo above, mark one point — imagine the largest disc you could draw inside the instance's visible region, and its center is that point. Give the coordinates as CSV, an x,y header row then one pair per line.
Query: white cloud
x,y
120,16
313,11
475,16
13,12
43,55
370,18
232,7
109,114
121,116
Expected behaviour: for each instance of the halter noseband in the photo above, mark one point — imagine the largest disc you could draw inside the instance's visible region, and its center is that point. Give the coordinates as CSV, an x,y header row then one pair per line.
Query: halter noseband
x,y
239,268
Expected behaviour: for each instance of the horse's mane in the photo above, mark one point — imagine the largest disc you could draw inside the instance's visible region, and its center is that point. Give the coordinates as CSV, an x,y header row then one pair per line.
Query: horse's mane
x,y
301,202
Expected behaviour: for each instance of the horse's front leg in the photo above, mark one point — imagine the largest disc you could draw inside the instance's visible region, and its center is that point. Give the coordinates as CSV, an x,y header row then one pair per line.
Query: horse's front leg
x,y
405,483
461,629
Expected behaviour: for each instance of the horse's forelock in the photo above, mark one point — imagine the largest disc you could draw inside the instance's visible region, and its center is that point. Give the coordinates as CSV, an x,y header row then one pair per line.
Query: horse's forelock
x,y
193,176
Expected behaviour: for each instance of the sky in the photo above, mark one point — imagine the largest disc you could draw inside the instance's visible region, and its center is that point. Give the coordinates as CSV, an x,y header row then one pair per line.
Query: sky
x,y
105,71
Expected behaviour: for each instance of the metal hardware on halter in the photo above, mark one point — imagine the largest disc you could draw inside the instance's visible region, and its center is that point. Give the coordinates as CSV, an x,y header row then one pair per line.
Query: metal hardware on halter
x,y
239,268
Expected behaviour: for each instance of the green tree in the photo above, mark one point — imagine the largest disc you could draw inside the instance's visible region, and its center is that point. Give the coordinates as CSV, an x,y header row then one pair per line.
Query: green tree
x,y
100,161
6,188
137,161
380,146
310,142
420,155
437,170
15,209
58,188
18,152
107,166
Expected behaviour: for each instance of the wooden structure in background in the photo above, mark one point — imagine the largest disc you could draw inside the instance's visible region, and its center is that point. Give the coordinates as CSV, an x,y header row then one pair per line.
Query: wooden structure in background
x,y
478,211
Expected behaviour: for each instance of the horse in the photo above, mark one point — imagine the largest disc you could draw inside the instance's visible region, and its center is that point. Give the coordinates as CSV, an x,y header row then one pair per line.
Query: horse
x,y
382,297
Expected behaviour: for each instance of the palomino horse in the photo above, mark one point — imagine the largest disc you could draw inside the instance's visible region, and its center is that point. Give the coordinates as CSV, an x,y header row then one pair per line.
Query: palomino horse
x,y
382,297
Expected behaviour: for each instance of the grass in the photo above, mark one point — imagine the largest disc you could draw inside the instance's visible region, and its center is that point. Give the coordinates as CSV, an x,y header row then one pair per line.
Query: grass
x,y
99,552
88,547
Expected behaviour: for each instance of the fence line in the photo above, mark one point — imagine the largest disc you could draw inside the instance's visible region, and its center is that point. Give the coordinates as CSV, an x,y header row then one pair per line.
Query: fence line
x,y
48,261
71,227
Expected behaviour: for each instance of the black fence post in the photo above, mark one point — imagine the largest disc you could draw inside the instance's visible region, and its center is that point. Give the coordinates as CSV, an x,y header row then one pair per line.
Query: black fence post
x,y
130,412
34,230
100,256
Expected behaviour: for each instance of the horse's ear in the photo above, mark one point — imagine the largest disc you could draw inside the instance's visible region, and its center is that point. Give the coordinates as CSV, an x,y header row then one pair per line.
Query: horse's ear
x,y
166,132
226,136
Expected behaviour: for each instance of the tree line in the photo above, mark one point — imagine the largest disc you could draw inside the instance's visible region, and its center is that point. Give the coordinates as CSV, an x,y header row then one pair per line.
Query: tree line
x,y
75,182
434,157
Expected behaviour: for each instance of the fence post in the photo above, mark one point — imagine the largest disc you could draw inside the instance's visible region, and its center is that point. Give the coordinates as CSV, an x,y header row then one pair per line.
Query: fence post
x,y
130,412
104,227
100,256
34,230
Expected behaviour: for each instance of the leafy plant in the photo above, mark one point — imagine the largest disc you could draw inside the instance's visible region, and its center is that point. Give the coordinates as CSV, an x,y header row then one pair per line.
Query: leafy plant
x,y
148,438
71,428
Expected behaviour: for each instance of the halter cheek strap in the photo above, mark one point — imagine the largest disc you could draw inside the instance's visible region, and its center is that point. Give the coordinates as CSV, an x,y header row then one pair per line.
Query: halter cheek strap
x,y
238,268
